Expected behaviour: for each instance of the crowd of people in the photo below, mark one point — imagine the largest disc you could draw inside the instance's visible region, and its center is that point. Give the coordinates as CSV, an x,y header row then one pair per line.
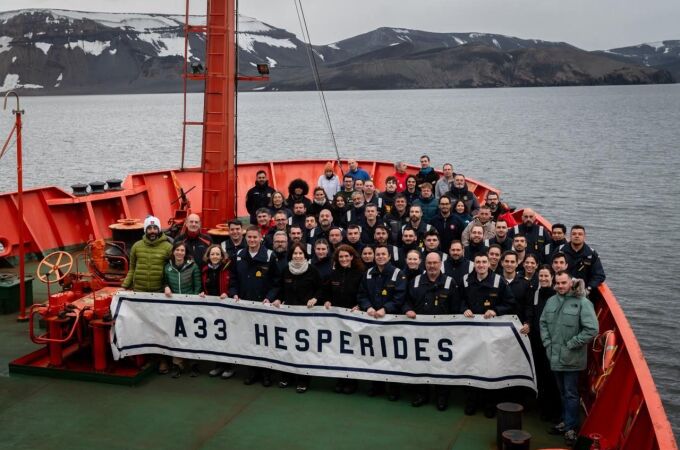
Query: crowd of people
x,y
425,245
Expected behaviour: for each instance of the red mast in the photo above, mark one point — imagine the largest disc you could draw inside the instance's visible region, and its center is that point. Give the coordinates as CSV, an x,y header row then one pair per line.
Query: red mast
x,y
218,159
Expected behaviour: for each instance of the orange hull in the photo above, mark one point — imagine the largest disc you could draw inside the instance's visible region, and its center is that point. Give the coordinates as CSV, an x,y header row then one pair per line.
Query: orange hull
x,y
626,410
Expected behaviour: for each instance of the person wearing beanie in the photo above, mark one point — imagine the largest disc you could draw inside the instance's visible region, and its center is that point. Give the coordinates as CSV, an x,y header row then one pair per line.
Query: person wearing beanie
x,y
148,257
329,181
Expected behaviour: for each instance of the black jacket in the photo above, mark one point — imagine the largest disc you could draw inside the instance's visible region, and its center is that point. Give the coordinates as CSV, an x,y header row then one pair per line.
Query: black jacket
x,y
258,197
458,268
427,297
255,278
196,246
298,289
342,287
449,228
386,289
584,264
490,293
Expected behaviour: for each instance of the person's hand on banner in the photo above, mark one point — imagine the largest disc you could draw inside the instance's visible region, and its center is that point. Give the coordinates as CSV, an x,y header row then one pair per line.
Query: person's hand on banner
x,y
468,314
371,312
168,292
311,302
223,295
490,314
277,303
380,313
411,314
235,297
524,329
327,305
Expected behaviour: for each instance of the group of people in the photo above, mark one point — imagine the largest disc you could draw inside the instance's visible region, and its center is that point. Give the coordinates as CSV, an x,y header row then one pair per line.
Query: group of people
x,y
425,245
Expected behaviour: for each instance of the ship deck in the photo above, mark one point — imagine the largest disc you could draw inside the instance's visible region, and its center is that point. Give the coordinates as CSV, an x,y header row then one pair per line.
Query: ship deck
x,y
160,412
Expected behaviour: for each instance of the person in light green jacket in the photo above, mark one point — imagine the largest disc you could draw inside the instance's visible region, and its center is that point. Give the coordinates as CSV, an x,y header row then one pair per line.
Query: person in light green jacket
x,y
568,323
147,259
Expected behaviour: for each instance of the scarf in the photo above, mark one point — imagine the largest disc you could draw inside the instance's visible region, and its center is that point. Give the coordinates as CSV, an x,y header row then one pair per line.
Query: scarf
x,y
298,268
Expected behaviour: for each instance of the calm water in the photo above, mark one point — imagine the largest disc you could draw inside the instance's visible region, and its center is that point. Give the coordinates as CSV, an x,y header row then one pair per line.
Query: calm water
x,y
606,157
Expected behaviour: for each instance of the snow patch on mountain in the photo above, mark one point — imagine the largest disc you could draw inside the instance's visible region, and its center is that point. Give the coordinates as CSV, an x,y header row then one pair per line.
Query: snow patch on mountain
x,y
44,46
272,62
91,47
655,45
165,45
247,41
459,40
401,30
4,43
333,46
12,82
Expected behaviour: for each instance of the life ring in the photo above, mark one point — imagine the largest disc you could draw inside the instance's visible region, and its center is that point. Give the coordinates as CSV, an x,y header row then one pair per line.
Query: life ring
x,y
609,349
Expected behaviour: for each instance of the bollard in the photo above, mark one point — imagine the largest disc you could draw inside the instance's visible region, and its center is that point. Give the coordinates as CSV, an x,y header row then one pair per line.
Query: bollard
x,y
516,440
508,417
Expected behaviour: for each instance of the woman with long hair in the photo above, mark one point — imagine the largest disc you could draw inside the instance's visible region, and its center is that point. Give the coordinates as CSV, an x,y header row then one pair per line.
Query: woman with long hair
x,y
181,275
300,285
339,210
215,278
341,291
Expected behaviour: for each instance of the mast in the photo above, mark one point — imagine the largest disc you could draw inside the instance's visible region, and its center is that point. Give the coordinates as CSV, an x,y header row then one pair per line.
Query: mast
x,y
218,157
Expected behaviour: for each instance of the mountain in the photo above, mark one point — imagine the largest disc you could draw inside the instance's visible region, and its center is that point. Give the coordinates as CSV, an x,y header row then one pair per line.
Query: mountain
x,y
661,55
51,51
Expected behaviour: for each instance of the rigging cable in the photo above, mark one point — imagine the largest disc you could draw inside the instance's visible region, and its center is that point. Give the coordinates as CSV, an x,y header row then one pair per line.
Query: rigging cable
x,y
317,80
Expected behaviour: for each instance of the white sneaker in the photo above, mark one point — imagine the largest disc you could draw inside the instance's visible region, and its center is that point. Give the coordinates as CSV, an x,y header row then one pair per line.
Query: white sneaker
x,y
570,437
228,373
217,371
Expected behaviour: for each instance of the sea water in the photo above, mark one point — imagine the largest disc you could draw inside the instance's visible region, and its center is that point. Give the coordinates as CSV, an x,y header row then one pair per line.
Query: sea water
x,y
604,157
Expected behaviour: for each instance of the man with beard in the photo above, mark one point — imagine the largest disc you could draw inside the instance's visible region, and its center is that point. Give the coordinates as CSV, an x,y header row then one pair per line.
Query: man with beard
x,y
499,210
476,244
457,265
537,236
355,213
335,238
280,248
501,238
416,222
147,259
409,240
299,214
483,219
324,227
449,226
347,189
460,191
259,195
196,242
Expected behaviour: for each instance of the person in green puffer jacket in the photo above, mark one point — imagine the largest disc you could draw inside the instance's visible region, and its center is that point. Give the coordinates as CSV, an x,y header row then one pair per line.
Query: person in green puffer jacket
x,y
147,259
568,323
181,275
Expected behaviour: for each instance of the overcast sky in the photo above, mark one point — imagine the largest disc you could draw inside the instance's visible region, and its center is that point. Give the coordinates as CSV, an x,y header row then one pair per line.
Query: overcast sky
x,y
588,24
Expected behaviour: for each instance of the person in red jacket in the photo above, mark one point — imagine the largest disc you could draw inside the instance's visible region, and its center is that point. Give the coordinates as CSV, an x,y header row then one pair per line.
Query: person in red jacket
x,y
215,278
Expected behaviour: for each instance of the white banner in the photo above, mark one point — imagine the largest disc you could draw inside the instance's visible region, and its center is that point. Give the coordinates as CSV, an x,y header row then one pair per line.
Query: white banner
x,y
486,353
